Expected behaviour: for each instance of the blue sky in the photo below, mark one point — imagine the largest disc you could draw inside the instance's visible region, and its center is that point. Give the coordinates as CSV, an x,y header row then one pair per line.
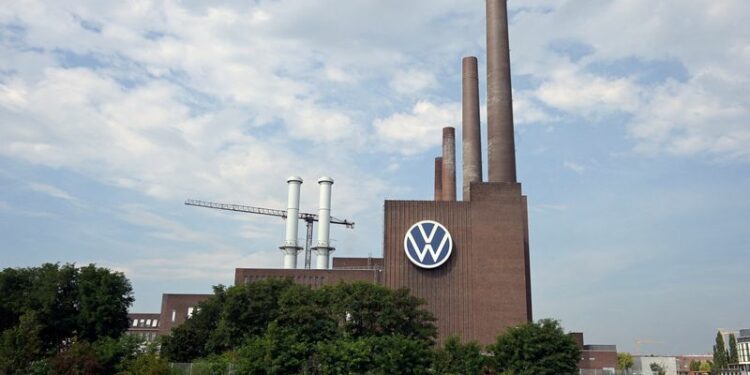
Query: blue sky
x,y
632,136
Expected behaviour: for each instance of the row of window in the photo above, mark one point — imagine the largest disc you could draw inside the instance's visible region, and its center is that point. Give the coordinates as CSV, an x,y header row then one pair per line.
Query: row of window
x,y
147,336
190,311
743,352
145,323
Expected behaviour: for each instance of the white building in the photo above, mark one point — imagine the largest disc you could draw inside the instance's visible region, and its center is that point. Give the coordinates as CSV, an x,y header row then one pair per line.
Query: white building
x,y
642,365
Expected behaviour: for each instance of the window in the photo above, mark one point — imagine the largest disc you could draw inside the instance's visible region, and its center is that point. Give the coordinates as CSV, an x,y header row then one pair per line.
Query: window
x,y
174,315
190,311
155,323
148,322
135,322
141,322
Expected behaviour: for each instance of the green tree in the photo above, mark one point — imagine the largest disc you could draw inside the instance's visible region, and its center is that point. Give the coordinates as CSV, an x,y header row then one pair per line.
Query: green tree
x,y
456,358
733,356
540,348
657,369
147,363
720,354
78,359
20,346
68,302
706,366
694,365
388,354
624,361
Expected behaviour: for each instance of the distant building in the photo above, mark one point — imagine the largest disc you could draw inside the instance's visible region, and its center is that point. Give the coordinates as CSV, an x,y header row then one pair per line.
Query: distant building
x,y
642,364
595,359
144,326
743,355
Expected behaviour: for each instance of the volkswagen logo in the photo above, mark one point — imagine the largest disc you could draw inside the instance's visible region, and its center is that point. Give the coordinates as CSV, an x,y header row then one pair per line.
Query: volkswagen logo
x,y
428,244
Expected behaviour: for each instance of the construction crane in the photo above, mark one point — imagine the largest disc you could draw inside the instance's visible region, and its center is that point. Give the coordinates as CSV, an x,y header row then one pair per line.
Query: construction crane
x,y
308,218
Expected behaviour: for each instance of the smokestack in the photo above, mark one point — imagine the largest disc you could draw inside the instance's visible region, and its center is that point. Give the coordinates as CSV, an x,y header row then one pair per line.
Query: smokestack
x,y
438,178
449,164
500,148
290,248
324,223
472,144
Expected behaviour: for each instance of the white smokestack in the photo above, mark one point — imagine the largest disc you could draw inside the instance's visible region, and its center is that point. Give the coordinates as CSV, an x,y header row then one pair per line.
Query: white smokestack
x,y
290,247
324,224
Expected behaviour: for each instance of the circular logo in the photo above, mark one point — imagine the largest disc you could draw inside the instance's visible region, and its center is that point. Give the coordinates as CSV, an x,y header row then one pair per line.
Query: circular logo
x,y
428,244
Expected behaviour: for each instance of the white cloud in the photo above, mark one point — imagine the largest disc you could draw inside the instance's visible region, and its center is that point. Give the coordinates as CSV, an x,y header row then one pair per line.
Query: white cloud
x,y
52,191
416,131
573,166
409,82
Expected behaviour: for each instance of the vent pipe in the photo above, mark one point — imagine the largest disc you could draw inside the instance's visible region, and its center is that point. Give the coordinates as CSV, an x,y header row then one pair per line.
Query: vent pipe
x,y
290,247
501,160
438,178
324,248
472,144
449,164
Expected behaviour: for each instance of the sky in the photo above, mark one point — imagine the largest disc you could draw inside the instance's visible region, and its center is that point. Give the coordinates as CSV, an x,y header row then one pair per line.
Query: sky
x,y
632,132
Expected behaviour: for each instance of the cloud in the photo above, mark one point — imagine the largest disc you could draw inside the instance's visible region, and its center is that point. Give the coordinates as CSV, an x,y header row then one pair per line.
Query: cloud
x,y
573,166
412,81
52,191
415,131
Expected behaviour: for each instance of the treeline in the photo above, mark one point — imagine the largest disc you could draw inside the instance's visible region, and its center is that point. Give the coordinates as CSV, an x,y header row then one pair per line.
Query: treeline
x,y
68,320
278,327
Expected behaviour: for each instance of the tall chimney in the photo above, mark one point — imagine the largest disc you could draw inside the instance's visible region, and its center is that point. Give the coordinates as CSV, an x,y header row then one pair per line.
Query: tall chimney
x,y
449,163
290,247
500,148
324,223
472,149
438,178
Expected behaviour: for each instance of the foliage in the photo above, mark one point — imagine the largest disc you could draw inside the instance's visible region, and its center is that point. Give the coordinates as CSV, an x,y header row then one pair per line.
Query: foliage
x,y
706,366
720,354
456,358
733,356
79,359
657,369
284,321
67,303
20,346
387,354
148,363
624,361
540,348
694,365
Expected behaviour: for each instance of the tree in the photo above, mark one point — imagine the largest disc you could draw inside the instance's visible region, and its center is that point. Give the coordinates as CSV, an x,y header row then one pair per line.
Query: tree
x,y
733,357
657,369
387,354
624,361
79,358
68,303
706,366
20,346
281,322
540,348
694,365
459,359
720,354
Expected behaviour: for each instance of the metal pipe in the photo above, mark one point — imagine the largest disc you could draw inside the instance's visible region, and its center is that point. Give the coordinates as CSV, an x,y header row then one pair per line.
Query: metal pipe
x,y
438,178
501,154
472,144
449,163
324,248
290,247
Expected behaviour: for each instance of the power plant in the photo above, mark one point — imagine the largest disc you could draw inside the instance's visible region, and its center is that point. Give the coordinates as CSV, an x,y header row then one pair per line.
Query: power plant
x,y
468,259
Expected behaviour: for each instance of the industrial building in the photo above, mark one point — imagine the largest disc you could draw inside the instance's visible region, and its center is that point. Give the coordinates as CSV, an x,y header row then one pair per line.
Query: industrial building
x,y
469,258
595,359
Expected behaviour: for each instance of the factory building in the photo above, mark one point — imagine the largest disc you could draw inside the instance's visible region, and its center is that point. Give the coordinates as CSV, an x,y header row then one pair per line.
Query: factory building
x,y
469,258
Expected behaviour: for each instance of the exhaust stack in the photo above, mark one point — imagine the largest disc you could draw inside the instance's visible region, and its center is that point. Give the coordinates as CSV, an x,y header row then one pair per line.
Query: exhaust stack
x,y
324,248
290,247
438,178
472,146
500,148
449,164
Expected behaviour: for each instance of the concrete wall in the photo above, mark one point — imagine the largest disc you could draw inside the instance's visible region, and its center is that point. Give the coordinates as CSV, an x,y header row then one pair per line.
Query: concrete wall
x,y
642,364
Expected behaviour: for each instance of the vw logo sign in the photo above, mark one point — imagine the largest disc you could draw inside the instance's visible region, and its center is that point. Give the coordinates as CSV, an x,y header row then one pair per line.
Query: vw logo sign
x,y
428,244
